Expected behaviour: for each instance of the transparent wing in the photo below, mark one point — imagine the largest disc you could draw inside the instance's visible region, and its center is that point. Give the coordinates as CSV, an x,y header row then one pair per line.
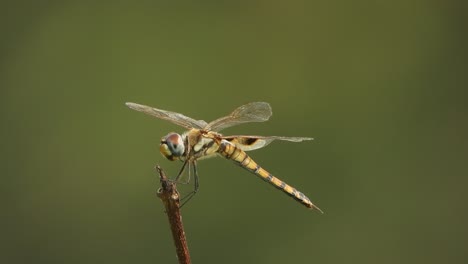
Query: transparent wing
x,y
247,143
251,112
176,118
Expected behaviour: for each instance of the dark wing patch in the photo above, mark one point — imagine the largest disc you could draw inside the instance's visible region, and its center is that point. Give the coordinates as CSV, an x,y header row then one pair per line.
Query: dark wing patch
x,y
247,143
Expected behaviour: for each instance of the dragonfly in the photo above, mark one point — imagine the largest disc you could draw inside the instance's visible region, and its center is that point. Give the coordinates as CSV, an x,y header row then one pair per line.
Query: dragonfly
x,y
203,140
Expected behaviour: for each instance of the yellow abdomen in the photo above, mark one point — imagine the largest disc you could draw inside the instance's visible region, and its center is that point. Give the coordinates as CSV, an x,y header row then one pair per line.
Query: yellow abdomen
x,y
230,151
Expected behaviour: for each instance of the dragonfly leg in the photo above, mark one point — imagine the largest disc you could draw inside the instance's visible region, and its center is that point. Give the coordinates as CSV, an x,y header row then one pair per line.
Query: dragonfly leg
x,y
195,173
190,195
181,172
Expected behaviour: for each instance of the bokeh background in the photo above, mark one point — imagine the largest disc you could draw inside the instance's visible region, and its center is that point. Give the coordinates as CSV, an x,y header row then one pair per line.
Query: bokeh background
x,y
380,85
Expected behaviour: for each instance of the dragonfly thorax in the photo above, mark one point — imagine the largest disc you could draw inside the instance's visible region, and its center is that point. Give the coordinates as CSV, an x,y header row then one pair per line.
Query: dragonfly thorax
x,y
172,146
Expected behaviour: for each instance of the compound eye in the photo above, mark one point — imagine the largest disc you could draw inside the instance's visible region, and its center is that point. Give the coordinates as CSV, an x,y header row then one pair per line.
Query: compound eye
x,y
175,144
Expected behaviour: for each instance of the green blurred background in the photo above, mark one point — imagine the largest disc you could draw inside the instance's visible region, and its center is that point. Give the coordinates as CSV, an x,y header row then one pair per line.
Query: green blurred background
x,y
380,85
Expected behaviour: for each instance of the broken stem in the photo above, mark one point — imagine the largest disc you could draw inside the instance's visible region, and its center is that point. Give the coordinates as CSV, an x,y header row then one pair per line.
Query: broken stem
x,y
170,197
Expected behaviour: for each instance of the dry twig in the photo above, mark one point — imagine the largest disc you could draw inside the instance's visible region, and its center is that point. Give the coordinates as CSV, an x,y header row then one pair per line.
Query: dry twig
x,y
170,197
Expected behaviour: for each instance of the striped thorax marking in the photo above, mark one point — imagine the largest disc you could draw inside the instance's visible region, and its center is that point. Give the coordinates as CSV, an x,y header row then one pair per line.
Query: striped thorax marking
x,y
202,143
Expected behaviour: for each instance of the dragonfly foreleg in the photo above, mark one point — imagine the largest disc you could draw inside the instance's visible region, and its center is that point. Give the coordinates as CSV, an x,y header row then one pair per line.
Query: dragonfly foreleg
x,y
196,184
181,172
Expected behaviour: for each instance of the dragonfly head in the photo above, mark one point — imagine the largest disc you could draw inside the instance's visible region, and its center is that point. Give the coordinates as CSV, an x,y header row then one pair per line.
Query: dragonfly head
x,y
172,146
